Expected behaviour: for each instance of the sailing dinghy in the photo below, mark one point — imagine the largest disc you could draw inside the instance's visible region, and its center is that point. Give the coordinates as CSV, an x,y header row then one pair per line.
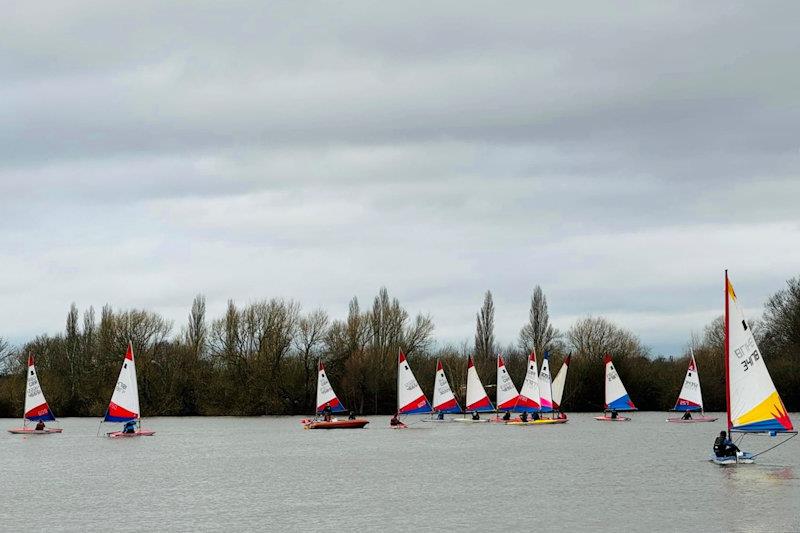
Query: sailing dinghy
x,y
617,398
545,399
326,397
477,399
690,398
444,401
36,408
753,403
410,398
507,395
124,405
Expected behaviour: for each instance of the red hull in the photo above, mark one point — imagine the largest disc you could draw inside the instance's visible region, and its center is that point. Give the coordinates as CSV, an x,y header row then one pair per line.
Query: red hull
x,y
140,433
358,423
31,431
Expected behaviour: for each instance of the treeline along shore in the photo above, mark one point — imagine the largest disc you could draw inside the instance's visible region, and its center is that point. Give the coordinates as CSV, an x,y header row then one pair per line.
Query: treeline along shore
x,y
261,358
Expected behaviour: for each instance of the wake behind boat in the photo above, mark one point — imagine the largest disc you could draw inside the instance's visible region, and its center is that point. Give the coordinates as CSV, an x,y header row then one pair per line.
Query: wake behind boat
x,y
36,408
124,404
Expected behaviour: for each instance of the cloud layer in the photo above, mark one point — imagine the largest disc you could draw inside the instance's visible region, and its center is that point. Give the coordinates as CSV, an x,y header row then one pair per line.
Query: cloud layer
x,y
621,160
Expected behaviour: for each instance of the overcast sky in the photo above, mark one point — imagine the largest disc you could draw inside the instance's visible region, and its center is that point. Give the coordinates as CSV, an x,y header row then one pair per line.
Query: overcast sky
x,y
619,155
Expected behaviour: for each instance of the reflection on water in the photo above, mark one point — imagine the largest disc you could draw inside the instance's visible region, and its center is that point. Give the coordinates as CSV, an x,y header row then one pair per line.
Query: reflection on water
x,y
242,474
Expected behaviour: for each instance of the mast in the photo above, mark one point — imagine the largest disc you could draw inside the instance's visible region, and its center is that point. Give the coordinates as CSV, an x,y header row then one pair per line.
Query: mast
x,y
727,355
399,351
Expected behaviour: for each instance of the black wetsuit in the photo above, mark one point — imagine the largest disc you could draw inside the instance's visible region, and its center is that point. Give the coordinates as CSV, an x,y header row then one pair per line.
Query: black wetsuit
x,y
723,447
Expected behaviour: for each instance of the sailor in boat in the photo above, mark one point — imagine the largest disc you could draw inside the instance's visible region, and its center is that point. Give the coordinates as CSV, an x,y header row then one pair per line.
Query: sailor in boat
x,y
724,447
327,412
535,416
351,416
507,416
614,414
440,415
687,415
40,425
523,416
476,416
129,427
395,421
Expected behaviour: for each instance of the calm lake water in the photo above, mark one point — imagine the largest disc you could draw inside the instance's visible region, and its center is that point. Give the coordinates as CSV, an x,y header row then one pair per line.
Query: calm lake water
x,y
239,474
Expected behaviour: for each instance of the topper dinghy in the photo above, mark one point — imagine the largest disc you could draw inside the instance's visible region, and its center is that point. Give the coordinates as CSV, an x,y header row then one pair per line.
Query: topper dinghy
x,y
507,395
124,405
690,398
545,399
477,399
410,398
753,403
326,397
444,401
617,398
36,408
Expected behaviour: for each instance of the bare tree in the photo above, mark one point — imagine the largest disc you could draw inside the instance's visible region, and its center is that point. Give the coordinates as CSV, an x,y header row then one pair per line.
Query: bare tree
x,y
197,331
310,340
593,337
484,331
538,334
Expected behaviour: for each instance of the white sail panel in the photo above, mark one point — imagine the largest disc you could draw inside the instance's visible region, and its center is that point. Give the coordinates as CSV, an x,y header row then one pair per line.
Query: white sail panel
x,y
444,400
477,399
507,394
616,396
124,405
410,398
559,382
529,396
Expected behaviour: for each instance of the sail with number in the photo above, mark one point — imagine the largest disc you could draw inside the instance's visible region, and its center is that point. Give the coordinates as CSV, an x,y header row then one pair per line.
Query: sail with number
x,y
124,405
754,405
325,393
477,399
36,407
507,395
690,397
545,386
444,401
529,396
410,398
616,396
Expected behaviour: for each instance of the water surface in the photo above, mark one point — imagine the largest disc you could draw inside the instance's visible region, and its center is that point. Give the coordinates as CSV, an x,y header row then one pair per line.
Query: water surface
x,y
240,474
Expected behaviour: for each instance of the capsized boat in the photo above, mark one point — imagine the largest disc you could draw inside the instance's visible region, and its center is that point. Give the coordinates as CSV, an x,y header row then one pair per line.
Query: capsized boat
x,y
753,405
327,397
477,399
124,404
690,399
444,401
36,408
617,398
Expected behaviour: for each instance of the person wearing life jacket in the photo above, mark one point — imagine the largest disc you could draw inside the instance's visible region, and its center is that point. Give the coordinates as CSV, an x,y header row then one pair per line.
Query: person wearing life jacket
x,y
613,414
724,447
440,415
395,421
351,416
687,415
507,416
476,416
535,415
129,427
523,416
327,412
40,425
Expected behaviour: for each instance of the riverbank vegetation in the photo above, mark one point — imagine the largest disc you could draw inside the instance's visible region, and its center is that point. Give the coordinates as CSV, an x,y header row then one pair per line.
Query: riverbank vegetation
x,y
261,358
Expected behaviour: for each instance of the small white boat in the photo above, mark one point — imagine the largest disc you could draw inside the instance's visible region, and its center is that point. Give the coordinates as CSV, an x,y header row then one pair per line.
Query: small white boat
x,y
36,408
617,398
124,404
690,399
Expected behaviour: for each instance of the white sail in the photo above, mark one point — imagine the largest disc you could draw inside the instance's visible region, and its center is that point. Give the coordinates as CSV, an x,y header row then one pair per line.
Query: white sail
x,y
559,382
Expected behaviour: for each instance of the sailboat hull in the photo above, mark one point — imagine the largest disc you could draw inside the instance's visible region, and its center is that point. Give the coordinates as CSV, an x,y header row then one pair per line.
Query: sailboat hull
x,y
140,433
358,423
540,422
693,420
609,419
31,431
742,458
